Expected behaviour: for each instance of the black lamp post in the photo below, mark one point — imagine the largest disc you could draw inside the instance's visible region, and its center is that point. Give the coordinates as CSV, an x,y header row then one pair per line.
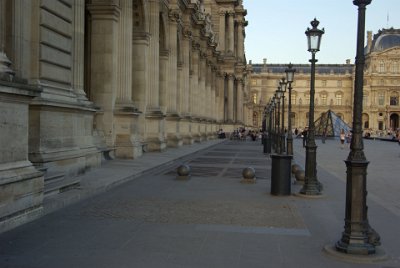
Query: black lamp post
x,y
358,237
278,96
289,78
311,184
281,163
282,89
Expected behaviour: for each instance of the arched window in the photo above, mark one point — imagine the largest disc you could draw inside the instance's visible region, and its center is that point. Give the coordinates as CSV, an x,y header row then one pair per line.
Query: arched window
x,y
394,99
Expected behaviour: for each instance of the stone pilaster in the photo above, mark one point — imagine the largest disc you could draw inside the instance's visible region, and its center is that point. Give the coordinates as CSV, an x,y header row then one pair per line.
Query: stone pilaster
x,y
185,90
231,33
128,140
240,40
153,73
222,28
195,92
155,137
230,112
172,123
104,26
220,98
78,50
239,102
5,64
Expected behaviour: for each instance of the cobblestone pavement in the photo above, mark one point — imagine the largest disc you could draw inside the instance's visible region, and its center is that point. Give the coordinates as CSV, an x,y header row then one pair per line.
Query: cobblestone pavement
x,y
212,220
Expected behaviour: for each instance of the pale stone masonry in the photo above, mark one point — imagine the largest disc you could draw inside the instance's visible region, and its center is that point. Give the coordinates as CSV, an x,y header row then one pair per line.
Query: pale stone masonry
x,y
86,80
334,87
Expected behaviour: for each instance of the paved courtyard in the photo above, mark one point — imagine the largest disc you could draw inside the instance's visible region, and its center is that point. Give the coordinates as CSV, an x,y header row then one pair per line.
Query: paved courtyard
x,y
211,220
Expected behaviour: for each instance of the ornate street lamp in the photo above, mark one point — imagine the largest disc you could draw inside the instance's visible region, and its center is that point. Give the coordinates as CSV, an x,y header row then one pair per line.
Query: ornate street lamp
x,y
311,184
282,88
281,163
278,96
289,78
358,237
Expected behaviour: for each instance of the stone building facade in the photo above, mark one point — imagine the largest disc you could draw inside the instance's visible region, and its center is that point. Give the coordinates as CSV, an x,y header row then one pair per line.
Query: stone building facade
x,y
333,90
382,81
85,80
334,87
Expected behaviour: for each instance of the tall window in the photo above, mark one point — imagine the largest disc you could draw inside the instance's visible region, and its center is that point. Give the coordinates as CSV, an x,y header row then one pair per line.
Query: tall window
x,y
381,98
339,83
395,67
394,99
324,83
365,100
293,96
339,99
381,67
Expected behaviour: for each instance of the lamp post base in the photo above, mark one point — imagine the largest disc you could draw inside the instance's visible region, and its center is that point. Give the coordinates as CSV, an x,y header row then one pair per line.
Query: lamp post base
x,y
281,174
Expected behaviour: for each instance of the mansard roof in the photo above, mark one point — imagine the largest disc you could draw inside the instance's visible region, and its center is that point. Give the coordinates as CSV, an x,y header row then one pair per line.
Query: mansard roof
x,y
304,68
385,39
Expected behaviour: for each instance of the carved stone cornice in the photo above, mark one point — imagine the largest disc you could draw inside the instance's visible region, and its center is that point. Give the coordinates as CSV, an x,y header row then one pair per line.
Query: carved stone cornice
x,y
230,76
100,10
187,33
175,15
195,45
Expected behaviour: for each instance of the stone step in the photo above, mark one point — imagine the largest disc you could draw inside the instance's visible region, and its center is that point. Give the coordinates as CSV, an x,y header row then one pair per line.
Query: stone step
x,y
57,183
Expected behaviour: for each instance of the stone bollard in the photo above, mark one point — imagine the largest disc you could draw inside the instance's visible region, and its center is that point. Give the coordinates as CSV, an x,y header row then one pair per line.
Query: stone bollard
x,y
183,172
249,175
300,176
295,167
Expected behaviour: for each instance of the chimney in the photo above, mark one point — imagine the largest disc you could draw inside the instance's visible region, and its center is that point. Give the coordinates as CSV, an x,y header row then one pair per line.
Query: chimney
x,y
369,41
264,68
348,61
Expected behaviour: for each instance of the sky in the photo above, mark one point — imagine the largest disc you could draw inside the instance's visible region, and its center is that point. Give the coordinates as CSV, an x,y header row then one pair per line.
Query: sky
x,y
276,29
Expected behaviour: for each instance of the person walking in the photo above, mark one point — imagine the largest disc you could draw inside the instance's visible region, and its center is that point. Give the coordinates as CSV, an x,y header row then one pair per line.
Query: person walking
x,y
342,138
304,135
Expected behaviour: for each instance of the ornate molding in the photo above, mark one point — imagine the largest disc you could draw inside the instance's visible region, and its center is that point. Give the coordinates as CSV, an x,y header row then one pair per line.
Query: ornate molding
x,y
175,15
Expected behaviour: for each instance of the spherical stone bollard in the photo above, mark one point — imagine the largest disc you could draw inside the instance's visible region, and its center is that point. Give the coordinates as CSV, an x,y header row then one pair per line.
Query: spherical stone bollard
x,y
249,175
295,167
183,172
300,176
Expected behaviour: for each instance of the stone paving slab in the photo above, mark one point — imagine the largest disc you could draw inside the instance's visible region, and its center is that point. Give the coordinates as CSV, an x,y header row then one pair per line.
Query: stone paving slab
x,y
207,221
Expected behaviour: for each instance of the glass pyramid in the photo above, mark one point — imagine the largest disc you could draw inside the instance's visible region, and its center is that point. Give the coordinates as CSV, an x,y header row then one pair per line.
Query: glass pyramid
x,y
331,123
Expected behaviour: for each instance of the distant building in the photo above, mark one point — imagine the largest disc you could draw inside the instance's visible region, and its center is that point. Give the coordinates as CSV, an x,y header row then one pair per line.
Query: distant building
x,y
334,87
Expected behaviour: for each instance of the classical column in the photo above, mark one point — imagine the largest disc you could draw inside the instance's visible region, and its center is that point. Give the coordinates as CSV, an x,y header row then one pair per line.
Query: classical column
x,y
185,87
195,79
153,71
222,27
231,78
124,76
202,84
231,32
174,18
219,96
239,101
240,41
5,63
78,49
104,48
